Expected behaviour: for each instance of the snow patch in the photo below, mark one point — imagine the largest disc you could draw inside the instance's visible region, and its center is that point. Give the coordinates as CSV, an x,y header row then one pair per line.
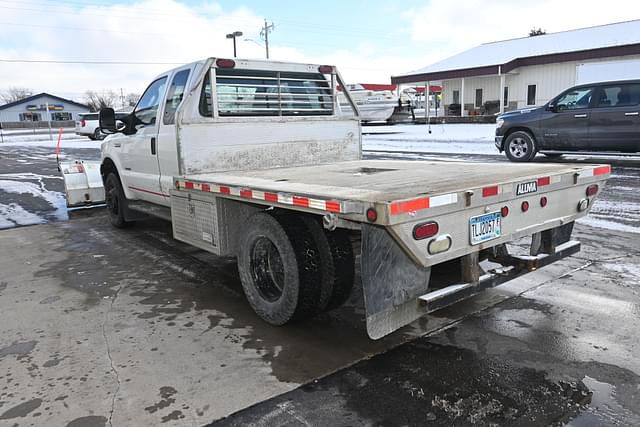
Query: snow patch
x,y
609,225
54,198
13,214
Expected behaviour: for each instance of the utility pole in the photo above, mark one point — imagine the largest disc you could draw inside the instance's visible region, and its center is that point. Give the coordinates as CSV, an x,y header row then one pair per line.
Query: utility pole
x,y
264,33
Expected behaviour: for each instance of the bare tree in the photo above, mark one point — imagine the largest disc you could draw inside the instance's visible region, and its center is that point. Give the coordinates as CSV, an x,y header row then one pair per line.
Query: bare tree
x,y
131,99
99,100
14,94
537,32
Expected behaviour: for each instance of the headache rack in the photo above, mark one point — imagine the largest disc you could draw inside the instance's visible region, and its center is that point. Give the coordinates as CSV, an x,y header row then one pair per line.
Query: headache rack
x,y
254,92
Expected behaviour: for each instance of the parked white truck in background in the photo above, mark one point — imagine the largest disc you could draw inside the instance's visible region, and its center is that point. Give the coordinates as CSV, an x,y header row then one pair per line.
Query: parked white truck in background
x,y
254,159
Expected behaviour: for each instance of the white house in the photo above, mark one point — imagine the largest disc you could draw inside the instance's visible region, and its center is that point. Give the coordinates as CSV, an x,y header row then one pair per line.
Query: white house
x,y
517,73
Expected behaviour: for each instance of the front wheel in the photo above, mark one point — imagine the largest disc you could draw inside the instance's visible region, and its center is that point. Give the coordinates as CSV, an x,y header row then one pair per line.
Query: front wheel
x,y
115,200
520,147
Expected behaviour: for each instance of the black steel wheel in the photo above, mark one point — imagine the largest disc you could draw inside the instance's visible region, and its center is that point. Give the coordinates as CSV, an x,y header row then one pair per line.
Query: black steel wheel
x,y
279,268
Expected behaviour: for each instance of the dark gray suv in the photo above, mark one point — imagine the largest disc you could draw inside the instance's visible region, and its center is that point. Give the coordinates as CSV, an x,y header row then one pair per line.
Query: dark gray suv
x,y
597,117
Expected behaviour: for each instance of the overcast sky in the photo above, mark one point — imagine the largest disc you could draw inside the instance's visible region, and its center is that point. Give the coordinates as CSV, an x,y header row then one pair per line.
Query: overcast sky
x,y
368,40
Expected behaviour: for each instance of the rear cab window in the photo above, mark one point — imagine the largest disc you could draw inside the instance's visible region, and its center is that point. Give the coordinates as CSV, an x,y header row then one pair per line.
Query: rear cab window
x,y
620,95
256,93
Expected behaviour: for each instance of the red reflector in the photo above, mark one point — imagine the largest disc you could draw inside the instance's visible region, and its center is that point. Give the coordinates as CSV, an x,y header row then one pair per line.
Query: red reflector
x,y
325,69
177,185
409,206
246,194
602,170
543,201
332,206
525,206
545,180
592,190
489,191
225,190
271,197
188,185
372,215
206,188
300,201
504,211
425,230
225,63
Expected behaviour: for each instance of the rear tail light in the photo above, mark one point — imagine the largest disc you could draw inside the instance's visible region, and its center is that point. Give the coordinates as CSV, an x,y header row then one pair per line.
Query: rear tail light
x,y
525,206
372,215
592,190
225,63
543,201
425,230
325,69
504,211
83,123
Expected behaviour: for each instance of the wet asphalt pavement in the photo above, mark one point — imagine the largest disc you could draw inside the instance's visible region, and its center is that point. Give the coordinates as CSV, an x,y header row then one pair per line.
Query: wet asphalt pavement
x,y
111,327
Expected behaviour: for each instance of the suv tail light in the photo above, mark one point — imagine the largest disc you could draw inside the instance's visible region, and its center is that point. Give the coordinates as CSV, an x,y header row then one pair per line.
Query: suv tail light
x,y
83,123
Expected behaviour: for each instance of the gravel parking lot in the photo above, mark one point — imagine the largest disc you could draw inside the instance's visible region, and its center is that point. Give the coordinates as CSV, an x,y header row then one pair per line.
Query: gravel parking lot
x,y
129,327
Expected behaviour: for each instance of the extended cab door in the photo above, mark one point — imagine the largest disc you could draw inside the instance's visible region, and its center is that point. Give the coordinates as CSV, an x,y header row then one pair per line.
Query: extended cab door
x,y
139,152
167,144
615,120
565,124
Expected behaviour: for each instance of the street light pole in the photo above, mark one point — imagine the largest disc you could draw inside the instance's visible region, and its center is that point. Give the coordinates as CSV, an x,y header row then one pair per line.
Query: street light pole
x,y
233,36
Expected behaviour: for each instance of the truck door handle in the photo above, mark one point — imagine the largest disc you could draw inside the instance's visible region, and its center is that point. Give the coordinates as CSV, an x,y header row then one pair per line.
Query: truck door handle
x,y
635,113
580,116
153,145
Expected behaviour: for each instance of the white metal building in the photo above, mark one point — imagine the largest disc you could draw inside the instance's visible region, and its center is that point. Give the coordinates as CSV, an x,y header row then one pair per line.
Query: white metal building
x,y
529,71
41,107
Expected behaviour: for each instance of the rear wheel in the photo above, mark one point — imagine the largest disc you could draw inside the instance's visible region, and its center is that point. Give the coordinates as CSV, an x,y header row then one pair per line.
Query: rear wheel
x,y
520,147
279,268
115,200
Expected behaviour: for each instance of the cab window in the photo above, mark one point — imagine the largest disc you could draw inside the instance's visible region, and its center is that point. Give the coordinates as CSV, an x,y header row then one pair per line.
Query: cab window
x,y
174,96
619,96
575,99
147,108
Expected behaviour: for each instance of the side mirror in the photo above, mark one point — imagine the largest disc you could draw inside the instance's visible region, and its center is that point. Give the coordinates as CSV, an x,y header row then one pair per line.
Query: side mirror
x,y
552,108
107,120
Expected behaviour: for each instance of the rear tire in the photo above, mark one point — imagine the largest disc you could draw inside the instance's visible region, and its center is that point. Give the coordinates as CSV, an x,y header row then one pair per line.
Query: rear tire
x,y
279,268
116,201
520,147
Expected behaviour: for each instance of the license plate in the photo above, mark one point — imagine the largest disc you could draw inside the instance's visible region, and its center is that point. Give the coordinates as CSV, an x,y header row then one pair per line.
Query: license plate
x,y
485,227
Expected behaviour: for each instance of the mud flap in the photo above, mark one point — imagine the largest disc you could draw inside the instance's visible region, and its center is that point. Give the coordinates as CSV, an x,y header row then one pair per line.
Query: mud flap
x,y
82,183
391,283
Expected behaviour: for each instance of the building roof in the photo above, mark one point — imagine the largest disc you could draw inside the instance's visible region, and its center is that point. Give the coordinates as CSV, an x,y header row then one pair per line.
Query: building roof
x,y
603,41
40,95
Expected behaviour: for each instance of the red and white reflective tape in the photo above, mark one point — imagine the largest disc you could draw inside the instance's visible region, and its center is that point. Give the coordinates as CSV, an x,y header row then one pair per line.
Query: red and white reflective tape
x,y
273,197
413,205
600,170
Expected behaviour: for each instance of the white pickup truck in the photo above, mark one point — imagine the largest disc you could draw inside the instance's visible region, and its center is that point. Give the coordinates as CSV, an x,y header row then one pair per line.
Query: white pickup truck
x,y
254,159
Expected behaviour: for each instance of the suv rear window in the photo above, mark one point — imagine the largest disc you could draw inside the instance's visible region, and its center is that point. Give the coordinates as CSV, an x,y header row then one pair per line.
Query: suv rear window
x,y
268,93
89,116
